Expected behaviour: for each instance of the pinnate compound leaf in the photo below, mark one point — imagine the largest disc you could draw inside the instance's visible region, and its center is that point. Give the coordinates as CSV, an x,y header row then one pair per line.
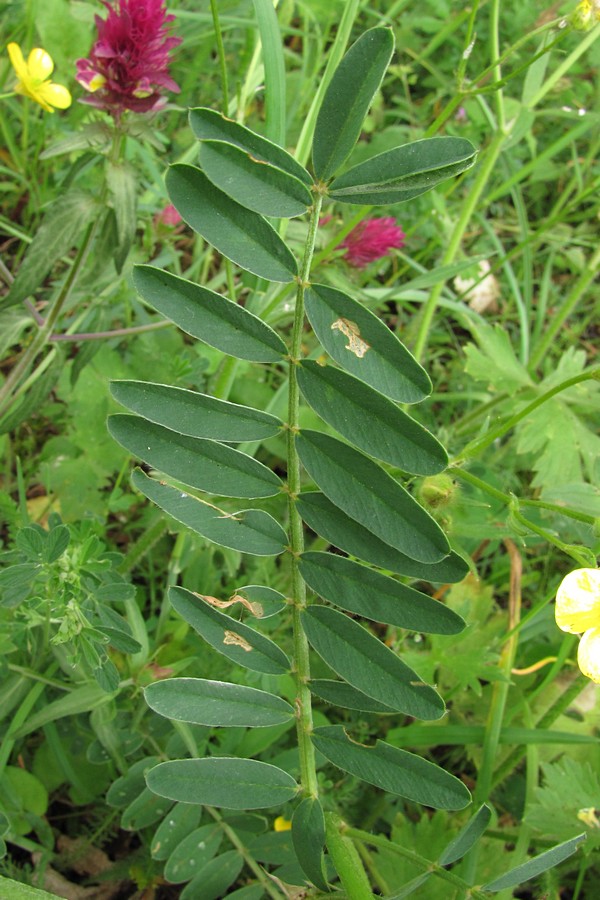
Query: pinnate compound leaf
x,y
254,183
364,346
335,526
372,595
207,316
216,703
249,530
368,665
534,867
467,837
198,415
215,877
308,836
209,125
236,641
404,172
348,98
240,234
393,770
364,491
199,463
338,693
222,782
63,224
371,421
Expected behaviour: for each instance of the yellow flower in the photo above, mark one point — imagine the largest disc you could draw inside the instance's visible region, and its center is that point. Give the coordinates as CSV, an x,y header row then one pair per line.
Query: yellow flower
x,y
34,78
282,824
578,610
585,14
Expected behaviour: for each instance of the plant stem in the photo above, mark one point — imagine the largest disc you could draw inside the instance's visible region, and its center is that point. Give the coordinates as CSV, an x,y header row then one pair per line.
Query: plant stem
x,y
346,859
301,665
476,446
233,837
221,54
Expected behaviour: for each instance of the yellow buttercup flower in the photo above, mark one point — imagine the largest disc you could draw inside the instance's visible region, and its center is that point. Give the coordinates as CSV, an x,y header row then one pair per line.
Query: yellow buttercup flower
x,y
34,78
578,611
282,824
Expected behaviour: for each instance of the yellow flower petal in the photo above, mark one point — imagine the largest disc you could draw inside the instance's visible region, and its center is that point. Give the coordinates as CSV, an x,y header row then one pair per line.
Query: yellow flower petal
x,y
96,83
40,64
578,601
282,824
17,61
54,94
588,654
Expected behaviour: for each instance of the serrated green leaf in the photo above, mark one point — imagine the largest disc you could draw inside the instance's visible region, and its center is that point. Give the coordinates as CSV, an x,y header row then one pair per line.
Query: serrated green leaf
x,y
254,183
243,236
233,639
365,492
209,125
348,98
372,595
368,665
308,835
222,782
534,867
369,420
364,346
193,852
404,172
215,877
335,526
393,770
63,225
203,464
209,317
249,530
198,415
216,703
182,819
338,693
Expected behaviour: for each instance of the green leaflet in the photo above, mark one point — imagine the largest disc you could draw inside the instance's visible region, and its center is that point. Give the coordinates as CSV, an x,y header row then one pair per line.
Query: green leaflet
x,y
222,782
467,836
233,639
335,526
203,464
198,415
238,233
207,316
249,530
393,770
338,693
265,601
182,819
372,595
308,835
215,877
209,125
362,489
216,703
348,98
369,420
368,665
145,810
192,853
535,866
404,172
364,346
253,182
15,890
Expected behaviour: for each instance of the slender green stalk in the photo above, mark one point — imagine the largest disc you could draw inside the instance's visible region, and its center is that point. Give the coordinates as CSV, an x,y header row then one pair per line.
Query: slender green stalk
x,y
561,70
274,66
588,275
232,835
301,665
487,167
476,446
346,859
221,54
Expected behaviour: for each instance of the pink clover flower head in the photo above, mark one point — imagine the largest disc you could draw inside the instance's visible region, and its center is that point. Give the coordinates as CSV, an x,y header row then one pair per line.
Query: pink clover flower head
x,y
372,239
128,66
168,216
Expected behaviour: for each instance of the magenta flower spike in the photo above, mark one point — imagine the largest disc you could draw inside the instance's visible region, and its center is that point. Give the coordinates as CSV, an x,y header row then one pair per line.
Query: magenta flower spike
x,y
128,66
371,240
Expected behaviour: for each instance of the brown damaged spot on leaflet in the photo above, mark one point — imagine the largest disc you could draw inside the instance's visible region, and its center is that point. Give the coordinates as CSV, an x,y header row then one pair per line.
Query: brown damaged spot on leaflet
x,y
233,639
351,330
255,608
